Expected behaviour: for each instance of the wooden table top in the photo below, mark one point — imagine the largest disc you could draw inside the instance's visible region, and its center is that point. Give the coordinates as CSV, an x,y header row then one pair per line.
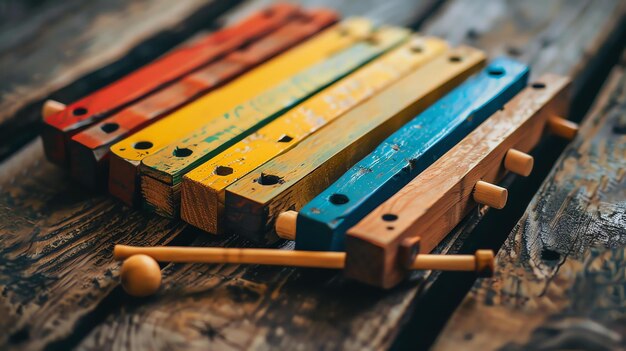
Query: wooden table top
x,y
560,270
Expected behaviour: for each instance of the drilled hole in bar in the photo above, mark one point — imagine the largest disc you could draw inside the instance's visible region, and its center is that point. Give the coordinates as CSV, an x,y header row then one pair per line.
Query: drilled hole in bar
x,y
79,111
268,179
109,127
182,152
142,145
223,170
455,59
389,217
495,71
538,85
285,138
338,199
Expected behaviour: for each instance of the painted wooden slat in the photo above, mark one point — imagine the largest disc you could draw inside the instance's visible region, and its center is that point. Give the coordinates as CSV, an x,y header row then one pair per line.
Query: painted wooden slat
x,y
59,127
292,179
162,172
128,153
202,189
322,223
89,149
435,201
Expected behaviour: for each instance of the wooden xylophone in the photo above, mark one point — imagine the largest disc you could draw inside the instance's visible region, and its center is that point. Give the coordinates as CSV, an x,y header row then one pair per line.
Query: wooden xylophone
x,y
365,144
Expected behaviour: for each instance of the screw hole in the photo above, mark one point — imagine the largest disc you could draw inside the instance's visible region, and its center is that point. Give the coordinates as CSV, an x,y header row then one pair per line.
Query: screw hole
x,y
268,179
285,138
182,152
538,86
495,71
142,145
390,227
455,59
223,170
110,127
389,217
417,49
550,255
338,199
79,111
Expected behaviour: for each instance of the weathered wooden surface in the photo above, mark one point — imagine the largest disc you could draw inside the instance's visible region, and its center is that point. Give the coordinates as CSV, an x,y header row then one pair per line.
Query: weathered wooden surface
x,y
56,273
56,51
58,280
561,272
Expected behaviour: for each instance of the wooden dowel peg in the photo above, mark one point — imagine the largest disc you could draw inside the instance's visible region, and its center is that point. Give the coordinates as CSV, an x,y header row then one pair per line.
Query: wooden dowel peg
x,y
563,128
518,162
141,275
51,107
481,262
490,194
286,225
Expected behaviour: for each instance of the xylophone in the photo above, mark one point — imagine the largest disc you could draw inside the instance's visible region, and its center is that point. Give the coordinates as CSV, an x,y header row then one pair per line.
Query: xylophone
x,y
365,144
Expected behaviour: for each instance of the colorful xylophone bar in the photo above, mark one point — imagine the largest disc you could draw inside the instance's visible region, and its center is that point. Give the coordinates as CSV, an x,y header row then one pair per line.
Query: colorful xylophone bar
x,y
382,140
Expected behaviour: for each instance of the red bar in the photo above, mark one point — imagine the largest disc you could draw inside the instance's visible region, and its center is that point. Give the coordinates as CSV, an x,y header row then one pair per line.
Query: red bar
x,y
59,127
89,149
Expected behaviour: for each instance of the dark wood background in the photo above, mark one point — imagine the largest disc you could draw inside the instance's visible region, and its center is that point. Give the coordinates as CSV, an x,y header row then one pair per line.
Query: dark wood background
x,y
561,276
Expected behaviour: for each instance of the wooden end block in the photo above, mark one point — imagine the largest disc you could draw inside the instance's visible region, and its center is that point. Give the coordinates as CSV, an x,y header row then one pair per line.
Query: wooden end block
x,y
446,188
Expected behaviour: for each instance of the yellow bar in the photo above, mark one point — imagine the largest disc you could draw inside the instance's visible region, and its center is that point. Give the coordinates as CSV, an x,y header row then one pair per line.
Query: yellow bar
x,y
127,154
203,188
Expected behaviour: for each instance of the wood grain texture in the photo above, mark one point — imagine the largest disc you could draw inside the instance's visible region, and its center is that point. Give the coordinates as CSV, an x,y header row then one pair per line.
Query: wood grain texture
x,y
55,249
560,274
127,154
292,179
69,49
435,201
324,221
202,189
237,307
89,149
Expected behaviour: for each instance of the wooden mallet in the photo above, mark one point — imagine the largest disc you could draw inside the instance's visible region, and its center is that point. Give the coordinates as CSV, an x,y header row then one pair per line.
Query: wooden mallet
x,y
141,274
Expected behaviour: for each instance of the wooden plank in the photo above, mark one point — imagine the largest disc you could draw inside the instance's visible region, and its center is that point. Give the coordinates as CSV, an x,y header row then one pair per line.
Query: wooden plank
x,y
162,172
218,306
128,153
202,189
374,245
60,126
89,149
560,274
48,57
323,222
290,180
